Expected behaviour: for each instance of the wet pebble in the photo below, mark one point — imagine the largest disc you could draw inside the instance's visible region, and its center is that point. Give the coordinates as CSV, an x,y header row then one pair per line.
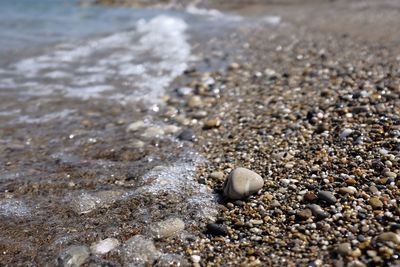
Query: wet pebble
x,y
104,246
135,126
241,183
212,123
73,256
187,135
195,102
139,251
167,228
346,132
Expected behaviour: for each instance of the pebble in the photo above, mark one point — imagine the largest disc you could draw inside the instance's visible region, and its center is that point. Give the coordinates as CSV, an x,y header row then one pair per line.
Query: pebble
x,y
318,212
241,183
309,196
171,129
183,91
153,131
135,126
344,249
138,251
346,132
390,236
187,135
216,229
89,201
304,214
167,228
376,203
217,175
327,196
104,246
195,258
73,256
212,123
348,190
195,102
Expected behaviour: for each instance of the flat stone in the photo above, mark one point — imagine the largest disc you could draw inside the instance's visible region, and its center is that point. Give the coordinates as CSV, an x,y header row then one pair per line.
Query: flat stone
x,y
73,256
104,246
139,251
347,190
344,249
241,183
346,132
327,197
389,236
375,203
167,228
304,214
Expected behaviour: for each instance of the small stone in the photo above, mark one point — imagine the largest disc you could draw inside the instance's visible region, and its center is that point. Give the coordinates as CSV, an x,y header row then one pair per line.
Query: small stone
x,y
304,214
89,201
153,131
356,263
199,114
167,228
134,127
216,229
183,91
241,183
309,196
212,123
187,135
170,259
104,246
327,196
171,129
195,258
346,132
376,203
73,256
389,236
347,190
195,102
138,251
318,212
234,66
217,175
344,249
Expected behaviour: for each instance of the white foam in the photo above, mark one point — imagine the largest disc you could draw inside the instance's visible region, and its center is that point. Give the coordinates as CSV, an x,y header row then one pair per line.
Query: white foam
x,y
212,13
273,20
45,118
141,62
14,207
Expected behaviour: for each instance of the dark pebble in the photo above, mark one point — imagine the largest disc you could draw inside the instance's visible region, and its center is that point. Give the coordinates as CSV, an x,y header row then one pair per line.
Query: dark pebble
x,y
327,197
187,135
216,229
394,227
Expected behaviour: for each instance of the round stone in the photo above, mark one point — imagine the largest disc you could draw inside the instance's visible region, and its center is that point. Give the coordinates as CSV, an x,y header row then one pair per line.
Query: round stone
x,y
73,256
344,249
241,183
216,229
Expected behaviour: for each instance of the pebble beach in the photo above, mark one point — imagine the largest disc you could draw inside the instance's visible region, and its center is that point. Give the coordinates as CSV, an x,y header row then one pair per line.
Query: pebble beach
x,y
297,130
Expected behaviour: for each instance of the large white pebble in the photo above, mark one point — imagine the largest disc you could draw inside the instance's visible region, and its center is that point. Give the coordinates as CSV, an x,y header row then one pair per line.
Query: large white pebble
x,y
241,183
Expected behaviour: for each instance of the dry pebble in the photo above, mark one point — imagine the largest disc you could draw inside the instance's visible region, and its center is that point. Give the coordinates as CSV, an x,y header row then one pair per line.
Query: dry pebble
x,y
241,183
